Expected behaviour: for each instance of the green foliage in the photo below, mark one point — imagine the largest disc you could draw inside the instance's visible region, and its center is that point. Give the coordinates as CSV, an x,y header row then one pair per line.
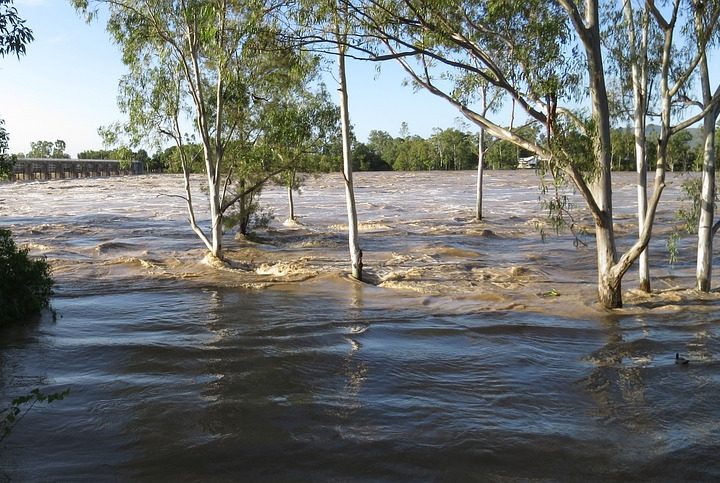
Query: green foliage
x,y
681,155
623,149
247,214
454,149
299,130
446,149
501,154
25,284
366,159
690,215
20,406
555,201
14,34
169,159
7,162
97,154
48,149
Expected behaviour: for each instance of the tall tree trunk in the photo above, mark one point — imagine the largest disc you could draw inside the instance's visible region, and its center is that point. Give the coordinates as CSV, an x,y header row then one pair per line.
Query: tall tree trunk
x,y
707,208
480,169
609,287
707,194
639,65
353,239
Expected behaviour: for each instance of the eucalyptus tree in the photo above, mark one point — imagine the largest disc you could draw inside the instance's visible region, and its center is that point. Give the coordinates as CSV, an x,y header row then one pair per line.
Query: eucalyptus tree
x,y
546,57
703,20
341,26
325,27
205,64
301,129
490,100
634,43
705,17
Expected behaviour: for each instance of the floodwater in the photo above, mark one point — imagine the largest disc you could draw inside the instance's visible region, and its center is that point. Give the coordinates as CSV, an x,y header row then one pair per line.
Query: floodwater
x,y
477,353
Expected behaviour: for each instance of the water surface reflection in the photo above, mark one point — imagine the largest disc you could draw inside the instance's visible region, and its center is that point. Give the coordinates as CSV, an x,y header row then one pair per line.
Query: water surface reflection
x,y
277,385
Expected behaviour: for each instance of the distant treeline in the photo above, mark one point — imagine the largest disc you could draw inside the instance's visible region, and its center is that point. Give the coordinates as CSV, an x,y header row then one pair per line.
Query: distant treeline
x,y
446,149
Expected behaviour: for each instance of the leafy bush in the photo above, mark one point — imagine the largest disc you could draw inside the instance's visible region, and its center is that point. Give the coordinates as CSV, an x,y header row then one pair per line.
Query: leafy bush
x,y
25,284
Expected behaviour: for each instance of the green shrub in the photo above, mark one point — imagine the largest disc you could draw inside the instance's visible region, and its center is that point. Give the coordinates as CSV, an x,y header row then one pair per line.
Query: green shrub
x,y
25,284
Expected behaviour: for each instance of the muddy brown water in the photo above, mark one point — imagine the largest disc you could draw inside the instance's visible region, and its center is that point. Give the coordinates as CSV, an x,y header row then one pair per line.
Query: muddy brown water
x,y
478,352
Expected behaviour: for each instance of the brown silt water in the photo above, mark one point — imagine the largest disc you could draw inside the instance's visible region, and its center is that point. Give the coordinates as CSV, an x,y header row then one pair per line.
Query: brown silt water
x,y
476,353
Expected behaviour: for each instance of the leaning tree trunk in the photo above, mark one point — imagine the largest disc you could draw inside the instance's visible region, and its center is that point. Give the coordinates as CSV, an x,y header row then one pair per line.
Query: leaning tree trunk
x,y
353,239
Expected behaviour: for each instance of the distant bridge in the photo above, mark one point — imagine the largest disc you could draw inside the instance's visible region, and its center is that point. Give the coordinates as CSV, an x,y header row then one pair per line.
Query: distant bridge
x,y
52,168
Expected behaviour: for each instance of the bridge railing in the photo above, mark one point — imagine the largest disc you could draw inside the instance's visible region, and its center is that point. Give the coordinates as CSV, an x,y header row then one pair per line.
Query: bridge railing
x,y
53,168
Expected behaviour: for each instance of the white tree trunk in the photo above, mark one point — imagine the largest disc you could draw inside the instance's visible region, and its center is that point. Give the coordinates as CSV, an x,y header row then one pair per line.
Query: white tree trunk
x,y
707,194
480,169
353,239
707,209
639,60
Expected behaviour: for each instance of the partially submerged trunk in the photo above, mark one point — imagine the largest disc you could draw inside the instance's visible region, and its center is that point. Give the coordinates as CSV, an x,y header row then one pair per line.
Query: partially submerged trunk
x,y
639,76
291,203
212,164
707,192
480,169
353,239
707,209
609,287
598,195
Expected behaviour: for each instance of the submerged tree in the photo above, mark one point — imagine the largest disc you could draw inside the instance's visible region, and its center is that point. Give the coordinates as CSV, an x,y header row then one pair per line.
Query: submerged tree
x,y
324,28
300,129
545,57
634,43
341,26
211,62
704,32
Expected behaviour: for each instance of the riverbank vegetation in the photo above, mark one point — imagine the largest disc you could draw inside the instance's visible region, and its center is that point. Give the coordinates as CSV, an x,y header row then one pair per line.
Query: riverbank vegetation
x,y
25,283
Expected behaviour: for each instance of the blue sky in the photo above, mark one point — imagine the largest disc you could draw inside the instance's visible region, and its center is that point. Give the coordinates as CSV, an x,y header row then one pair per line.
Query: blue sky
x,y
66,86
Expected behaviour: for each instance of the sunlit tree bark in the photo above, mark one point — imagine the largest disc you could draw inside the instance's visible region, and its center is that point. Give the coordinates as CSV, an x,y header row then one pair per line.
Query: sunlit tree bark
x,y
353,237
706,230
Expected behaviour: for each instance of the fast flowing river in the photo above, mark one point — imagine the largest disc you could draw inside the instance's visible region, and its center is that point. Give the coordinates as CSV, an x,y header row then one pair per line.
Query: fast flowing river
x,y
478,353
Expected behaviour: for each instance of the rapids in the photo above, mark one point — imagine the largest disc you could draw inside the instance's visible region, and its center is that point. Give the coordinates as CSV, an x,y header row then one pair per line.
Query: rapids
x,y
476,353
